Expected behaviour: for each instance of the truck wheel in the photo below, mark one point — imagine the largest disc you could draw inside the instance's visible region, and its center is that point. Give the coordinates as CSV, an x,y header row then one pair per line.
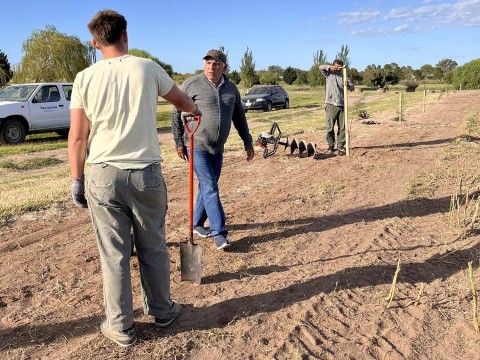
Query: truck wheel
x,y
13,132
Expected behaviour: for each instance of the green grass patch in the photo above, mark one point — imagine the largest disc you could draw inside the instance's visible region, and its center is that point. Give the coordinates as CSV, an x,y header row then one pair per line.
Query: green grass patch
x,y
8,165
164,116
33,146
35,163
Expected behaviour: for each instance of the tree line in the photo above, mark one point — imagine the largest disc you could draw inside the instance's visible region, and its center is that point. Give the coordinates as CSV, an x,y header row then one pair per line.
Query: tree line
x,y
50,56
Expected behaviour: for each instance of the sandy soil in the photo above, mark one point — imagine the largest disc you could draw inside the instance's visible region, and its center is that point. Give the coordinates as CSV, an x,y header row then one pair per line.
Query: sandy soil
x,y
315,248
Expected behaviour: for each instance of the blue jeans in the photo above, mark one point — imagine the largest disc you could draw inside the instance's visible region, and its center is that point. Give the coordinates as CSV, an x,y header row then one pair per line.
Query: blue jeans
x,y
208,168
120,200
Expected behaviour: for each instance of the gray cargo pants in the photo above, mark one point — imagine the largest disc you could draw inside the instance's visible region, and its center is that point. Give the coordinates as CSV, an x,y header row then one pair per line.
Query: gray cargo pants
x,y
120,200
335,115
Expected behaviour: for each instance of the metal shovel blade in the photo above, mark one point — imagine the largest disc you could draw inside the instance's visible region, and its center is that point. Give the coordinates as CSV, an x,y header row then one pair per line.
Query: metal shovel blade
x,y
191,262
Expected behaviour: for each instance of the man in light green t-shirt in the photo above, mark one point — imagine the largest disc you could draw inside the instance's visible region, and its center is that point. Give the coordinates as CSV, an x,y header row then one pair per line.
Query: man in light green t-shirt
x,y
113,129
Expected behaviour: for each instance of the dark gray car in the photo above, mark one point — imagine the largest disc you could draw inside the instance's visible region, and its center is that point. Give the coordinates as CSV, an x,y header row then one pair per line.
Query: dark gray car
x,y
266,98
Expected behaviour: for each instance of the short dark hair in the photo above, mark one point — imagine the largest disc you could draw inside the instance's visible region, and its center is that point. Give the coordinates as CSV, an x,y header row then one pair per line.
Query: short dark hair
x,y
107,26
338,61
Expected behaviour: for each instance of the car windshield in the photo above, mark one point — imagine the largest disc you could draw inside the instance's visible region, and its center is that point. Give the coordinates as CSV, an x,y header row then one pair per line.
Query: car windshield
x,y
260,90
17,93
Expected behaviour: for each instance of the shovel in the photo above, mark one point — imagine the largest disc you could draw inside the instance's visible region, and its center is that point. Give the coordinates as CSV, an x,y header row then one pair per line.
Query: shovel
x,y
190,253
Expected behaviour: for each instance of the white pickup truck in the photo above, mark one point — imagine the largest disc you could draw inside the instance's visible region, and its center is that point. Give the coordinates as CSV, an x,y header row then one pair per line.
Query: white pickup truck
x,y
33,108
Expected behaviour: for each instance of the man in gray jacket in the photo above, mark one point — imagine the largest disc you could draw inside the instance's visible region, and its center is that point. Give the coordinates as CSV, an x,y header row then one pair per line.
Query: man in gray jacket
x,y
334,104
220,103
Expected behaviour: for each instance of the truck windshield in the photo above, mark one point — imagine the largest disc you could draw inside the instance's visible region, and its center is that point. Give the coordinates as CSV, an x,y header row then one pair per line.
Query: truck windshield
x,y
17,93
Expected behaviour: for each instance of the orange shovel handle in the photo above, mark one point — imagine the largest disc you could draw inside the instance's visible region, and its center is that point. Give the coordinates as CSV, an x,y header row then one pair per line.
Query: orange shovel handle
x,y
190,170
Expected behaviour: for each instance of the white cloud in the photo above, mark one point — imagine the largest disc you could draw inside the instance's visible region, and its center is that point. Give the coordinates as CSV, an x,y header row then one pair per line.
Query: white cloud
x,y
429,16
358,17
465,12
400,28
398,14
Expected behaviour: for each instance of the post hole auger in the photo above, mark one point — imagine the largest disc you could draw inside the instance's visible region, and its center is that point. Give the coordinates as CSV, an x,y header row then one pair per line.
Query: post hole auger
x,y
273,138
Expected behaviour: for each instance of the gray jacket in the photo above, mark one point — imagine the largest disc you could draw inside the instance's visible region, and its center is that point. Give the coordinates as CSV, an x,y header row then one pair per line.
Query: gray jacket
x,y
334,86
220,107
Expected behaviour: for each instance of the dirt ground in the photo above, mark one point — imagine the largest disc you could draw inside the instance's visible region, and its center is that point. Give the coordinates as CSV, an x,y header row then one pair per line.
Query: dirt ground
x,y
315,245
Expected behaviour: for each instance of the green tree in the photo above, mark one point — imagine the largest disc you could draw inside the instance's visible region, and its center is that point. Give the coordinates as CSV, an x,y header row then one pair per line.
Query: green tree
x,y
447,66
343,55
449,77
376,76
247,69
51,56
373,76
319,58
275,69
234,77
146,55
407,72
427,71
391,73
91,52
289,75
5,71
222,49
355,76
437,73
417,74
314,76
302,77
467,76
268,78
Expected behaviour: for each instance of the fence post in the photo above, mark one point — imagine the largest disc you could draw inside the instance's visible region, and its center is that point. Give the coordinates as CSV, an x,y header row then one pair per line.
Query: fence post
x,y
424,99
400,107
345,111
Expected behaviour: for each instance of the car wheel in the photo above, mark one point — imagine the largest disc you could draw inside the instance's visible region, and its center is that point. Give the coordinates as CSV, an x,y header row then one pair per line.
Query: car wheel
x,y
269,106
287,104
13,132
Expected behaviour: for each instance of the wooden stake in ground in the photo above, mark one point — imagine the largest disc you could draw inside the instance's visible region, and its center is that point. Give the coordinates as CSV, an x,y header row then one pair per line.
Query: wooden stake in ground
x,y
389,298
424,99
400,107
345,111
474,294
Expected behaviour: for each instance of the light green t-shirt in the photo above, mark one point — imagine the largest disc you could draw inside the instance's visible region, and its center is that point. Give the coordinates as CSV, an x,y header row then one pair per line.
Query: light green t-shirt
x,y
120,97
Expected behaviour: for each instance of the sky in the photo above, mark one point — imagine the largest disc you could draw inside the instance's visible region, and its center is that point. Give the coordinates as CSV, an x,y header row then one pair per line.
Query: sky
x,y
283,33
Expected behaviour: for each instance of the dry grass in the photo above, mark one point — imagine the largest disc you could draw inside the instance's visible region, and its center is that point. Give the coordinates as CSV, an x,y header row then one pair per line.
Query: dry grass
x,y
37,184
22,191
391,294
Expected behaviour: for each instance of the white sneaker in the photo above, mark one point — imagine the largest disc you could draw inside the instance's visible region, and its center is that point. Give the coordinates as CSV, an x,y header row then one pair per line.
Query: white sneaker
x,y
201,231
221,242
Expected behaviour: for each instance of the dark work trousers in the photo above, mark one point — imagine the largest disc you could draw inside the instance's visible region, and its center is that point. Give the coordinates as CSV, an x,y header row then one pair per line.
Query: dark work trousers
x,y
335,116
